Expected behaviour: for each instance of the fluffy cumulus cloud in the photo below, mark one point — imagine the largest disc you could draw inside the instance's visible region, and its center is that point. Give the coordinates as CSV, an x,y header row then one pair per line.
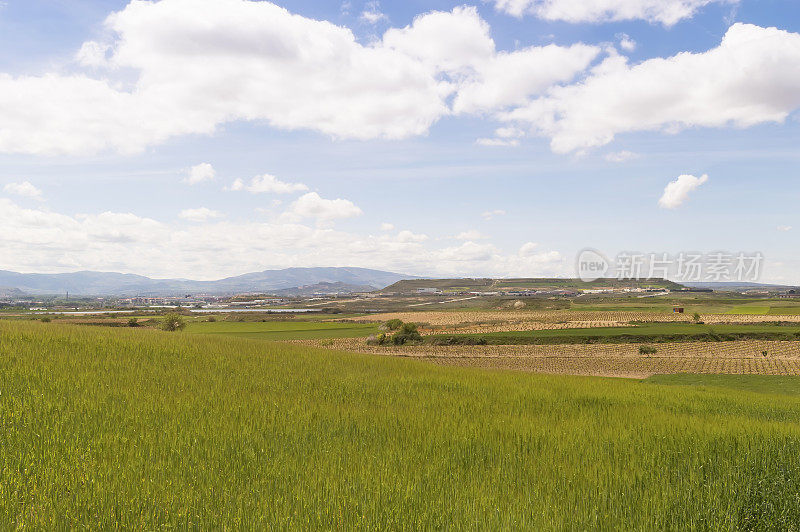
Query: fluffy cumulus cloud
x,y
129,243
666,12
200,173
268,184
407,236
677,192
203,214
25,189
752,77
459,45
178,67
311,205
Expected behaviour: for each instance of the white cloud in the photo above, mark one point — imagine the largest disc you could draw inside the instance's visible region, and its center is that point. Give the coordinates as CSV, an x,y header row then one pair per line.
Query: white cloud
x,y
93,54
38,240
203,214
497,142
488,215
459,44
200,173
504,136
620,156
406,236
528,249
751,78
311,205
268,184
666,12
472,234
372,13
25,189
469,251
626,43
677,192
178,67
200,63
385,226
784,228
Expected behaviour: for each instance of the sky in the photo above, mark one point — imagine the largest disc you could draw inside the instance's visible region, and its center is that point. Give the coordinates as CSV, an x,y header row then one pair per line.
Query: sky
x,y
209,138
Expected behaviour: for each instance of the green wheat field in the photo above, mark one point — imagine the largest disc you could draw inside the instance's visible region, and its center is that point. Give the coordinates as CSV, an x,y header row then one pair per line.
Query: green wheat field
x,y
113,428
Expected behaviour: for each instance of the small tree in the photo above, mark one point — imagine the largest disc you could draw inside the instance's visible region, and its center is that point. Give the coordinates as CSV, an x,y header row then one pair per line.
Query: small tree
x,y
173,322
647,350
696,317
392,325
133,322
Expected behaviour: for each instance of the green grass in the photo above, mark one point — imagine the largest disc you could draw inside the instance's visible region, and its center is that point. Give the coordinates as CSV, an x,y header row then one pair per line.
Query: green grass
x,y
749,309
649,332
774,384
119,428
283,330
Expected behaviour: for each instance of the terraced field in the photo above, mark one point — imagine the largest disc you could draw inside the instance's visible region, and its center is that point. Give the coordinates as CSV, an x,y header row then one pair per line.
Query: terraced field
x,y
614,360
513,320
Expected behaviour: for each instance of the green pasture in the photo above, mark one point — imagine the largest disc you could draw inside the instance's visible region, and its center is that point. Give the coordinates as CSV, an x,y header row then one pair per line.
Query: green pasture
x,y
765,384
141,429
283,330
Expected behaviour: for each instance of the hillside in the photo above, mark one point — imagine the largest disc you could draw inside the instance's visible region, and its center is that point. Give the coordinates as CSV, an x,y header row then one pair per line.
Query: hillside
x,y
119,284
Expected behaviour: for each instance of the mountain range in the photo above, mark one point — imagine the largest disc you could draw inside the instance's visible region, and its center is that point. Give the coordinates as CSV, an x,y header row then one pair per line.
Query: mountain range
x,y
88,283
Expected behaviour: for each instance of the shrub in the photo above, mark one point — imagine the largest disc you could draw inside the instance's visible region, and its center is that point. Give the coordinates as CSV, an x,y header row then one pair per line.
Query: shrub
x,y
696,317
46,319
407,334
376,340
392,325
173,322
459,340
647,350
133,322
211,319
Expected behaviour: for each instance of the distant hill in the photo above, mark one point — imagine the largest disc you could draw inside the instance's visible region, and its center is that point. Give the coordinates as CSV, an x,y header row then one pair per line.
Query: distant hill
x,y
6,292
119,284
328,289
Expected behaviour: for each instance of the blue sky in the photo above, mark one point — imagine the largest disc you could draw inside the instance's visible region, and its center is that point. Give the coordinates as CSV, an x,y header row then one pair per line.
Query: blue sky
x,y
480,166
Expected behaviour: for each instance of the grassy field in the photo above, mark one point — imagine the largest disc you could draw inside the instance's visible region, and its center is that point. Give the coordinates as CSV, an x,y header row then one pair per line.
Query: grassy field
x,y
650,332
111,428
283,330
771,384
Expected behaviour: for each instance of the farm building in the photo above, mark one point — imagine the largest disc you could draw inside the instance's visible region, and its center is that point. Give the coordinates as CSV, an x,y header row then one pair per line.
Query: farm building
x,y
429,291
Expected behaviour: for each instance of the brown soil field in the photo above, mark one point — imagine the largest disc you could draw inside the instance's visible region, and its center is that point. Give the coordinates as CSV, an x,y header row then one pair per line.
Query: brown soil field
x,y
616,360
497,321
